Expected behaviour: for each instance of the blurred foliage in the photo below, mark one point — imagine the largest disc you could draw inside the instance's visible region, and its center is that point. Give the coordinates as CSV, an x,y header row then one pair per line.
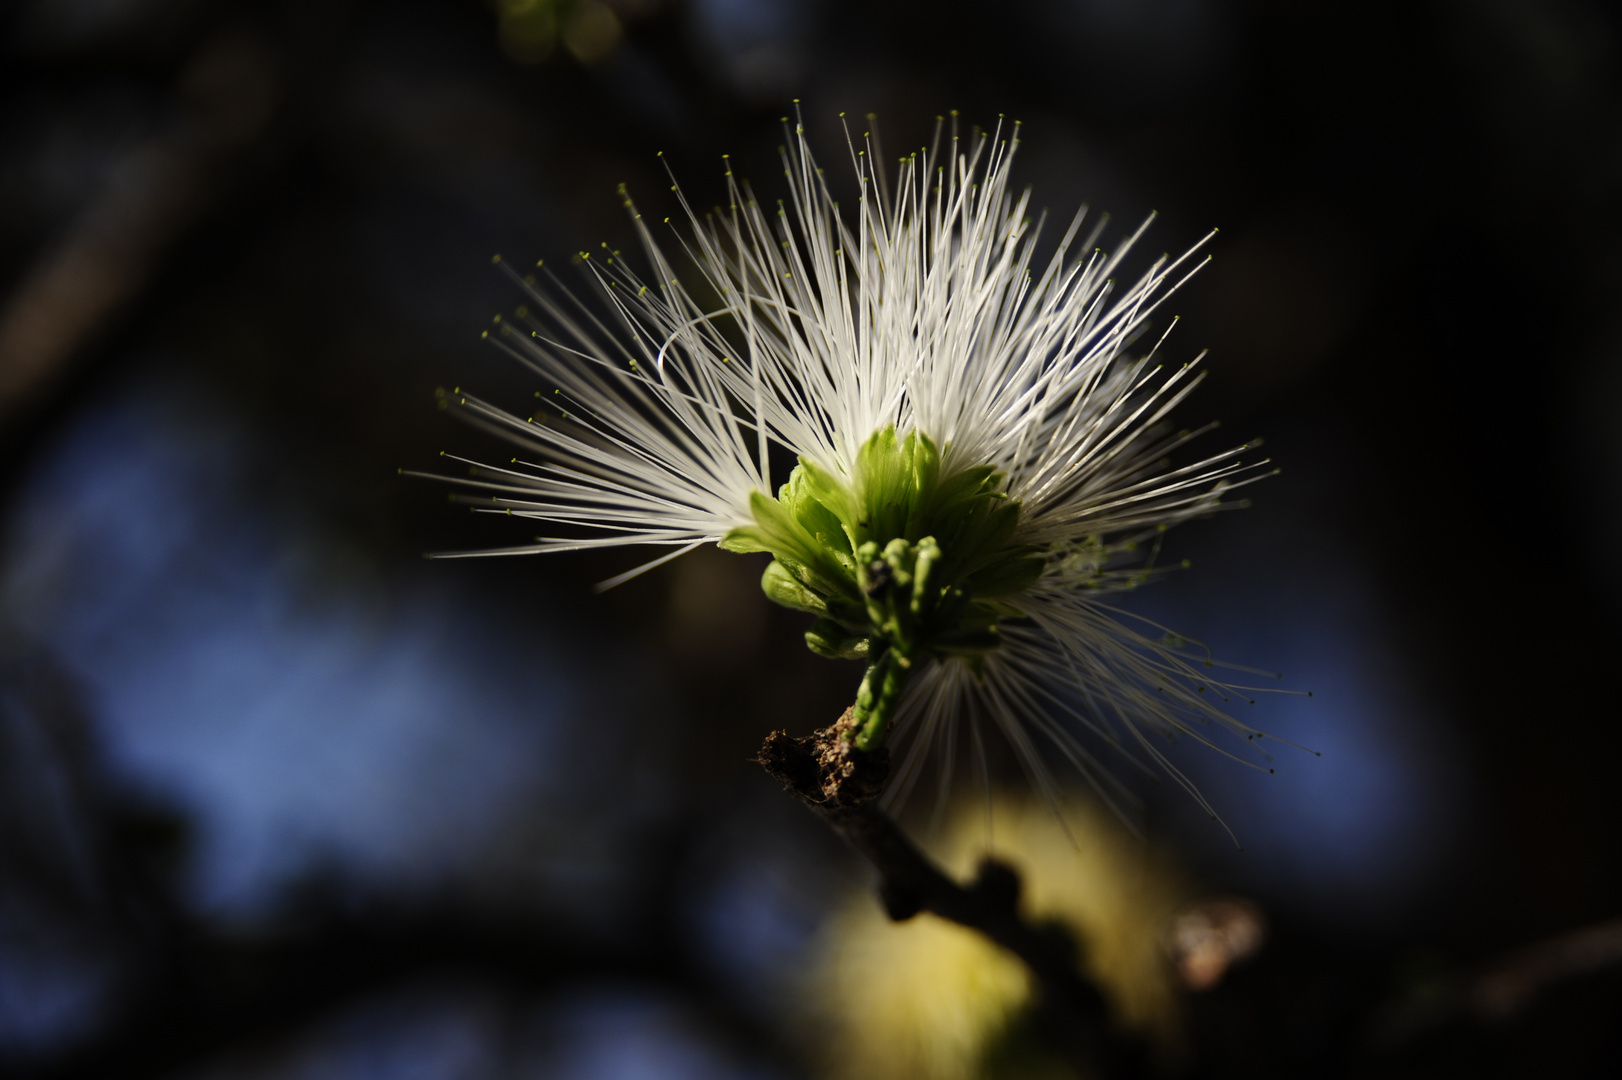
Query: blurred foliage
x,y
589,30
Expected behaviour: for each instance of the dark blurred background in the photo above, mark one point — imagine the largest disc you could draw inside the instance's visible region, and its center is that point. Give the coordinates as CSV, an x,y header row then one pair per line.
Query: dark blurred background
x,y
280,798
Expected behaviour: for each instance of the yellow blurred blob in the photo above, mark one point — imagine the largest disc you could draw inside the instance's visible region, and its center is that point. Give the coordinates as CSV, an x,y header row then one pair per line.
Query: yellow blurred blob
x,y
916,999
929,1000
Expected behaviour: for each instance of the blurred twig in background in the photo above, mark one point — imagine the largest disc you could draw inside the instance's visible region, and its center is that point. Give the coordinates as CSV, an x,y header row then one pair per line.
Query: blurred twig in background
x,y
1500,990
229,90
1510,984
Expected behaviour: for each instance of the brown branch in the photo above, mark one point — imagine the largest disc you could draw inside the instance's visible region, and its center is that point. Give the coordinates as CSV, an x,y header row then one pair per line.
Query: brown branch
x,y
840,783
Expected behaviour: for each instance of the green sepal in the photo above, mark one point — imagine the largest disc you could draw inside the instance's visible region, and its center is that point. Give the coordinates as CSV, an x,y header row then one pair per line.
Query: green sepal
x,y
896,478
827,638
808,496
881,487
966,641
849,613
776,531
1002,609
744,540
1012,571
976,531
826,499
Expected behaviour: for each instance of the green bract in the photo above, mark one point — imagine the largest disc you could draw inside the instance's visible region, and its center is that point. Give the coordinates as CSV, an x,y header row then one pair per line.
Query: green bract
x,y
900,562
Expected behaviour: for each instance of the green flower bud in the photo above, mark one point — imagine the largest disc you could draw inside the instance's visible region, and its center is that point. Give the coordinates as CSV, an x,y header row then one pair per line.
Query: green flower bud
x,y
901,562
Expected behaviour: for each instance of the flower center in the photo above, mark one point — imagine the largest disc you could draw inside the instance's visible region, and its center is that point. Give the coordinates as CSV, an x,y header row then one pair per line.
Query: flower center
x,y
900,562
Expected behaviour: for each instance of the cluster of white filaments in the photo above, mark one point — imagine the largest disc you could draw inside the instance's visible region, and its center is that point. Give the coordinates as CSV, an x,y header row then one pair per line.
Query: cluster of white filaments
x,y
809,328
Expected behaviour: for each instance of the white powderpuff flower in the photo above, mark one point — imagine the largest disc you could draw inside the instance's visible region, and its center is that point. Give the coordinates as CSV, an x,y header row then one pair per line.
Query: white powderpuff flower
x,y
983,457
